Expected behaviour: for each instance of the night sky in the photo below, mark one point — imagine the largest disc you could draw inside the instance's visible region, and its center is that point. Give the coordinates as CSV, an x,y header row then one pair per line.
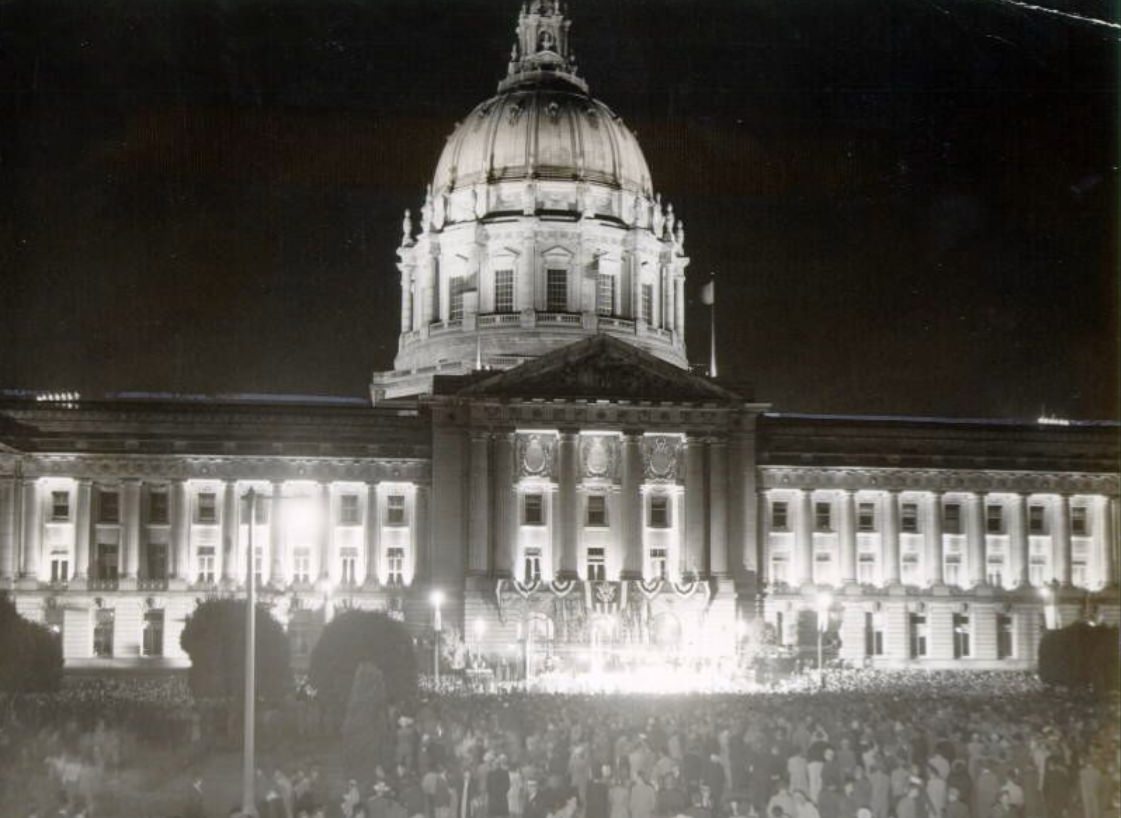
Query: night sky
x,y
910,205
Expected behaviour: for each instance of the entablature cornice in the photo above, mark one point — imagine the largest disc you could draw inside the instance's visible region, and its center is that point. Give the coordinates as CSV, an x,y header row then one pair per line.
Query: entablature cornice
x,y
703,420
95,467
946,480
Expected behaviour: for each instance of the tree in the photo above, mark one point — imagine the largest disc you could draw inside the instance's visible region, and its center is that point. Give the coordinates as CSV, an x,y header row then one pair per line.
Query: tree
x,y
30,655
355,637
214,638
366,726
1080,655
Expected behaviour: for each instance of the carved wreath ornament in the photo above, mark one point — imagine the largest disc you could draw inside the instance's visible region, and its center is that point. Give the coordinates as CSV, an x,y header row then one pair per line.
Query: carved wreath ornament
x,y
535,455
661,458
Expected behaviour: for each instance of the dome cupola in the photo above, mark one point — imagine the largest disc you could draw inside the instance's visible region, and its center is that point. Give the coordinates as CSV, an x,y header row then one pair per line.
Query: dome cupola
x,y
540,227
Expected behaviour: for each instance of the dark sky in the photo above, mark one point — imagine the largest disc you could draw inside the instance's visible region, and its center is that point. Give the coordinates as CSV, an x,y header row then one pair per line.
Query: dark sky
x,y
911,205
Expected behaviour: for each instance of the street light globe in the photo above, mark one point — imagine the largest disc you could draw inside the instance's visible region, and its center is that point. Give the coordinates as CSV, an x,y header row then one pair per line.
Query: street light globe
x,y
1045,592
480,628
436,598
824,599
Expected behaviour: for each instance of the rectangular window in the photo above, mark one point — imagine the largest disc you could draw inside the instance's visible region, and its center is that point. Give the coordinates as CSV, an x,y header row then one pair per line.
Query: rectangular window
x,y
909,518
531,566
994,519
1037,520
823,517
961,636
605,294
648,303
156,567
917,631
873,635
110,507
60,506
204,560
258,563
659,564
503,290
866,569
1079,522
779,516
60,568
107,564
1005,637
556,290
206,508
157,508
995,570
1078,574
951,569
533,509
597,565
349,510
348,565
153,633
597,511
456,288
951,518
103,633
395,566
1037,571
659,511
823,567
909,569
301,566
866,517
395,510
779,574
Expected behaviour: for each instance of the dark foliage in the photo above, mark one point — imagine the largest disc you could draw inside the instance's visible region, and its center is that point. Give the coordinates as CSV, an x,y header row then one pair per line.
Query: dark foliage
x,y
355,637
30,655
1081,655
365,728
214,638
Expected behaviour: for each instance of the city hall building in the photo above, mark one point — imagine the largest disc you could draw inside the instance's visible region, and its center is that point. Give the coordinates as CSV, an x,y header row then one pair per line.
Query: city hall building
x,y
542,457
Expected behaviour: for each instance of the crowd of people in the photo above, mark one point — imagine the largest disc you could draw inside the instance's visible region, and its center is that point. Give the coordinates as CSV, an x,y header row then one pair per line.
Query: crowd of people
x,y
868,744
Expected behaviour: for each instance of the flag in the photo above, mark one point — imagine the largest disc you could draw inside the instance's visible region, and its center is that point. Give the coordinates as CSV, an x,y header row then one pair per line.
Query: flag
x,y
708,293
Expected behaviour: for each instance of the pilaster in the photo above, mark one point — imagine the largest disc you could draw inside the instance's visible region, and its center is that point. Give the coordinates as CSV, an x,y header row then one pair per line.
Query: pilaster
x,y
478,510
631,502
718,507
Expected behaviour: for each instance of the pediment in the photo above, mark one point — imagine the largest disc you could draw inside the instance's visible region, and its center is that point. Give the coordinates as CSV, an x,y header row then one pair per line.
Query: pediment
x,y
601,368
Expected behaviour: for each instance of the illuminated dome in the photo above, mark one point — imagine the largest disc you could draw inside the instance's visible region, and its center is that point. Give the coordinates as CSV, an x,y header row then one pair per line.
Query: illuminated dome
x,y
540,228
553,132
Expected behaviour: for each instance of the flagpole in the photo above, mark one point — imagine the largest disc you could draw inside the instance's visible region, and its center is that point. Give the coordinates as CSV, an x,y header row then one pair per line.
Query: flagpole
x,y
248,798
712,328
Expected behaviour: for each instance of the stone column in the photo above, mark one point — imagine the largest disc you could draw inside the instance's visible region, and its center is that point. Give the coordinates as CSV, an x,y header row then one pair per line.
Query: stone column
x,y
1019,550
31,536
975,539
326,526
848,543
277,574
630,502
82,522
421,535
891,537
229,532
696,528
803,536
1062,542
9,516
718,507
566,525
130,528
373,535
934,543
1108,541
504,506
478,512
180,517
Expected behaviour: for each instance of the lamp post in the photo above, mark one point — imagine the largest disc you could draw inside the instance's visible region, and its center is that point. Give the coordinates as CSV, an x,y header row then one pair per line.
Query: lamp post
x,y
824,601
248,798
480,630
437,600
1050,610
